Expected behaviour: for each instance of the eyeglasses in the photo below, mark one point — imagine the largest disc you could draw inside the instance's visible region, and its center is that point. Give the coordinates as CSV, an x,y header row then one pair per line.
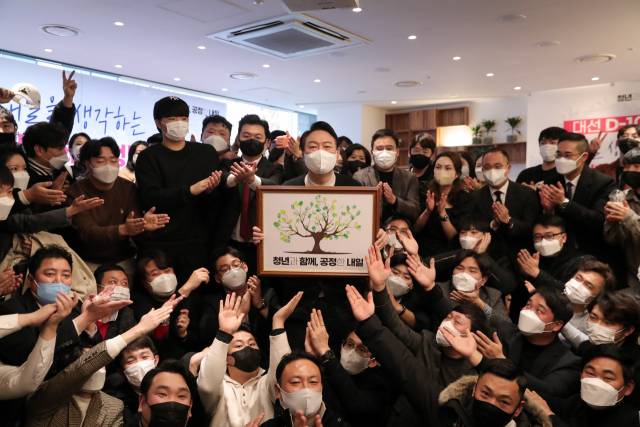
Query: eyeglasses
x,y
560,155
225,268
361,350
548,236
400,231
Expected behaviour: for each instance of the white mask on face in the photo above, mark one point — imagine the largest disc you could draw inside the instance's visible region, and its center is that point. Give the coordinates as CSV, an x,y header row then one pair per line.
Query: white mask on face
x,y
440,339
548,247
464,282
76,152
548,152
164,285
136,372
577,293
106,174
320,161
6,203
216,141
96,382
385,159
306,400
120,293
495,177
397,286
57,162
444,177
352,362
464,172
21,180
599,334
176,131
467,241
566,166
480,174
530,324
393,239
234,278
134,159
598,394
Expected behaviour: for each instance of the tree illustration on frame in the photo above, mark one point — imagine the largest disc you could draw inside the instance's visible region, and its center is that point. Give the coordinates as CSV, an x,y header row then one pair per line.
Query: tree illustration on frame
x,y
319,221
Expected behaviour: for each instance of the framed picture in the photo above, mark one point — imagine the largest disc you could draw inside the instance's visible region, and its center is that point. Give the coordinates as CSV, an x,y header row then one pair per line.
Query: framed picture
x,y
319,231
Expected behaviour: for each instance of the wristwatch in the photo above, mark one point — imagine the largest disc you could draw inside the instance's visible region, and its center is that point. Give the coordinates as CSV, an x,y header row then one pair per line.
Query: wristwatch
x,y
564,204
264,305
445,218
328,356
510,222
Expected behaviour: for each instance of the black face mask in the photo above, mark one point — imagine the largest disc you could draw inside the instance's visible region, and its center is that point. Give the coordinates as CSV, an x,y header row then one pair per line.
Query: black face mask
x,y
419,161
632,179
251,147
487,415
627,144
247,359
355,164
7,138
169,414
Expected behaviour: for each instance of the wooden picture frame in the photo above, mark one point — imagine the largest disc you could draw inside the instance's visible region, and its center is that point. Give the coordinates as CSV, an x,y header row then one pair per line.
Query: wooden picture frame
x,y
347,217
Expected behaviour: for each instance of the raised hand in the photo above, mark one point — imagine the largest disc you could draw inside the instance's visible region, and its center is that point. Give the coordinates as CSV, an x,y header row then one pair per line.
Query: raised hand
x,y
230,317
39,193
533,397
596,143
200,186
64,304
481,245
468,297
197,278
529,264
500,213
614,212
471,184
283,314
408,243
153,319
382,239
81,205
69,87
255,422
132,226
214,180
182,323
362,309
172,302
387,193
155,221
299,420
255,286
465,345
489,349
318,334
431,201
442,205
6,95
258,236
553,194
100,307
245,303
379,271
58,183
425,276
529,286
37,317
8,282
195,361
244,172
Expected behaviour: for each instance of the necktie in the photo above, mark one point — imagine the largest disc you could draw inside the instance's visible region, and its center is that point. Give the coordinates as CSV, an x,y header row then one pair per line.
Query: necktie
x,y
568,192
498,196
245,217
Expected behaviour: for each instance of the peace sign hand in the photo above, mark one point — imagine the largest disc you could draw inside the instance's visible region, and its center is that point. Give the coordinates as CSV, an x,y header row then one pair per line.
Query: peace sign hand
x,y
69,87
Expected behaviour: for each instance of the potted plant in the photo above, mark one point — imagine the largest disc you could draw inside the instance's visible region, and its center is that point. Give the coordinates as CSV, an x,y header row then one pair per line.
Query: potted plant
x,y
513,122
488,125
477,135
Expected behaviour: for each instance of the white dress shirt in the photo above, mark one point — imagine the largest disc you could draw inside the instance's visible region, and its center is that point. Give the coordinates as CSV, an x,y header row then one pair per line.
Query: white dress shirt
x,y
330,183
231,182
574,181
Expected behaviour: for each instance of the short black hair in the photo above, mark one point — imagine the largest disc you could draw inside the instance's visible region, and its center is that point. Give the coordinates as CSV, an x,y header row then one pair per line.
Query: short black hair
x,y
276,133
138,344
474,222
552,133
425,140
603,270
245,328
398,259
254,119
465,155
216,118
342,139
398,218
102,269
623,129
6,176
275,154
227,250
71,354
508,370
161,259
75,136
47,252
170,106
8,151
613,352
93,149
580,139
171,366
495,150
132,152
479,320
559,304
381,133
156,138
45,135
632,157
319,126
297,354
6,114
619,308
484,263
549,220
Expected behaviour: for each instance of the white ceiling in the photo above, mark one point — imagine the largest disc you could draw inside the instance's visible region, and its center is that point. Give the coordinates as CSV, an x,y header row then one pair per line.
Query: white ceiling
x,y
159,42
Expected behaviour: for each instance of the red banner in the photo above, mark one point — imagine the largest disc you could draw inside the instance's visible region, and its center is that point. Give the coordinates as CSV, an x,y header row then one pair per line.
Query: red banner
x,y
608,124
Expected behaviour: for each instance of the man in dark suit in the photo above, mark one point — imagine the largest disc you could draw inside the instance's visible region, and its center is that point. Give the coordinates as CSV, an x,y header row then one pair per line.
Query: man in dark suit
x,y
240,180
578,194
511,208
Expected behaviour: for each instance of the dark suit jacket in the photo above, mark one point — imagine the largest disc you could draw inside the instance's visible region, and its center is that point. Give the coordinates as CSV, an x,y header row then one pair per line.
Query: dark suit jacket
x,y
556,371
231,198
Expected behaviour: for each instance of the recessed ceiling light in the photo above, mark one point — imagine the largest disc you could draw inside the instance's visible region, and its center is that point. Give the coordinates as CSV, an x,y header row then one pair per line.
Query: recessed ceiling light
x,y
224,89
266,65
407,83
489,74
60,30
510,19
118,66
48,50
317,80
547,44
456,58
517,88
119,24
596,59
301,106
202,47
357,9
243,76
595,78
177,79
413,37
394,102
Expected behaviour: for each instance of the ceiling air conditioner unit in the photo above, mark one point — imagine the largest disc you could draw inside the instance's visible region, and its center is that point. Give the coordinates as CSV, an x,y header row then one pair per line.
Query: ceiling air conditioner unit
x,y
290,36
295,6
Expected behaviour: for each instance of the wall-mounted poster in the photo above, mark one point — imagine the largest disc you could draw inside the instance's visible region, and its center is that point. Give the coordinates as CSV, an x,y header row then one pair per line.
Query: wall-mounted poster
x,y
316,230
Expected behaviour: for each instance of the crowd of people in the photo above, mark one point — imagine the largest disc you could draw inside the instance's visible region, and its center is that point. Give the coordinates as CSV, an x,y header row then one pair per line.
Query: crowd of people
x,y
131,296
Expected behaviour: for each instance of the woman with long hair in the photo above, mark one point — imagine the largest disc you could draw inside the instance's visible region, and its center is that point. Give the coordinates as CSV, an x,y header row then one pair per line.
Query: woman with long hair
x,y
129,171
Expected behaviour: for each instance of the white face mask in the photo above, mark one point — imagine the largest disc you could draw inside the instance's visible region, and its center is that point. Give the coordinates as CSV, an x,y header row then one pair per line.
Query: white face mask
x,y
397,286
57,162
440,339
480,174
136,372
548,152
352,362
577,293
566,166
495,177
120,293
385,159
6,203
216,141
464,282
548,247
320,161
176,131
530,324
106,174
306,400
21,180
164,285
464,172
599,334
234,278
393,239
444,177
96,382
76,152
134,159
598,394
467,241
